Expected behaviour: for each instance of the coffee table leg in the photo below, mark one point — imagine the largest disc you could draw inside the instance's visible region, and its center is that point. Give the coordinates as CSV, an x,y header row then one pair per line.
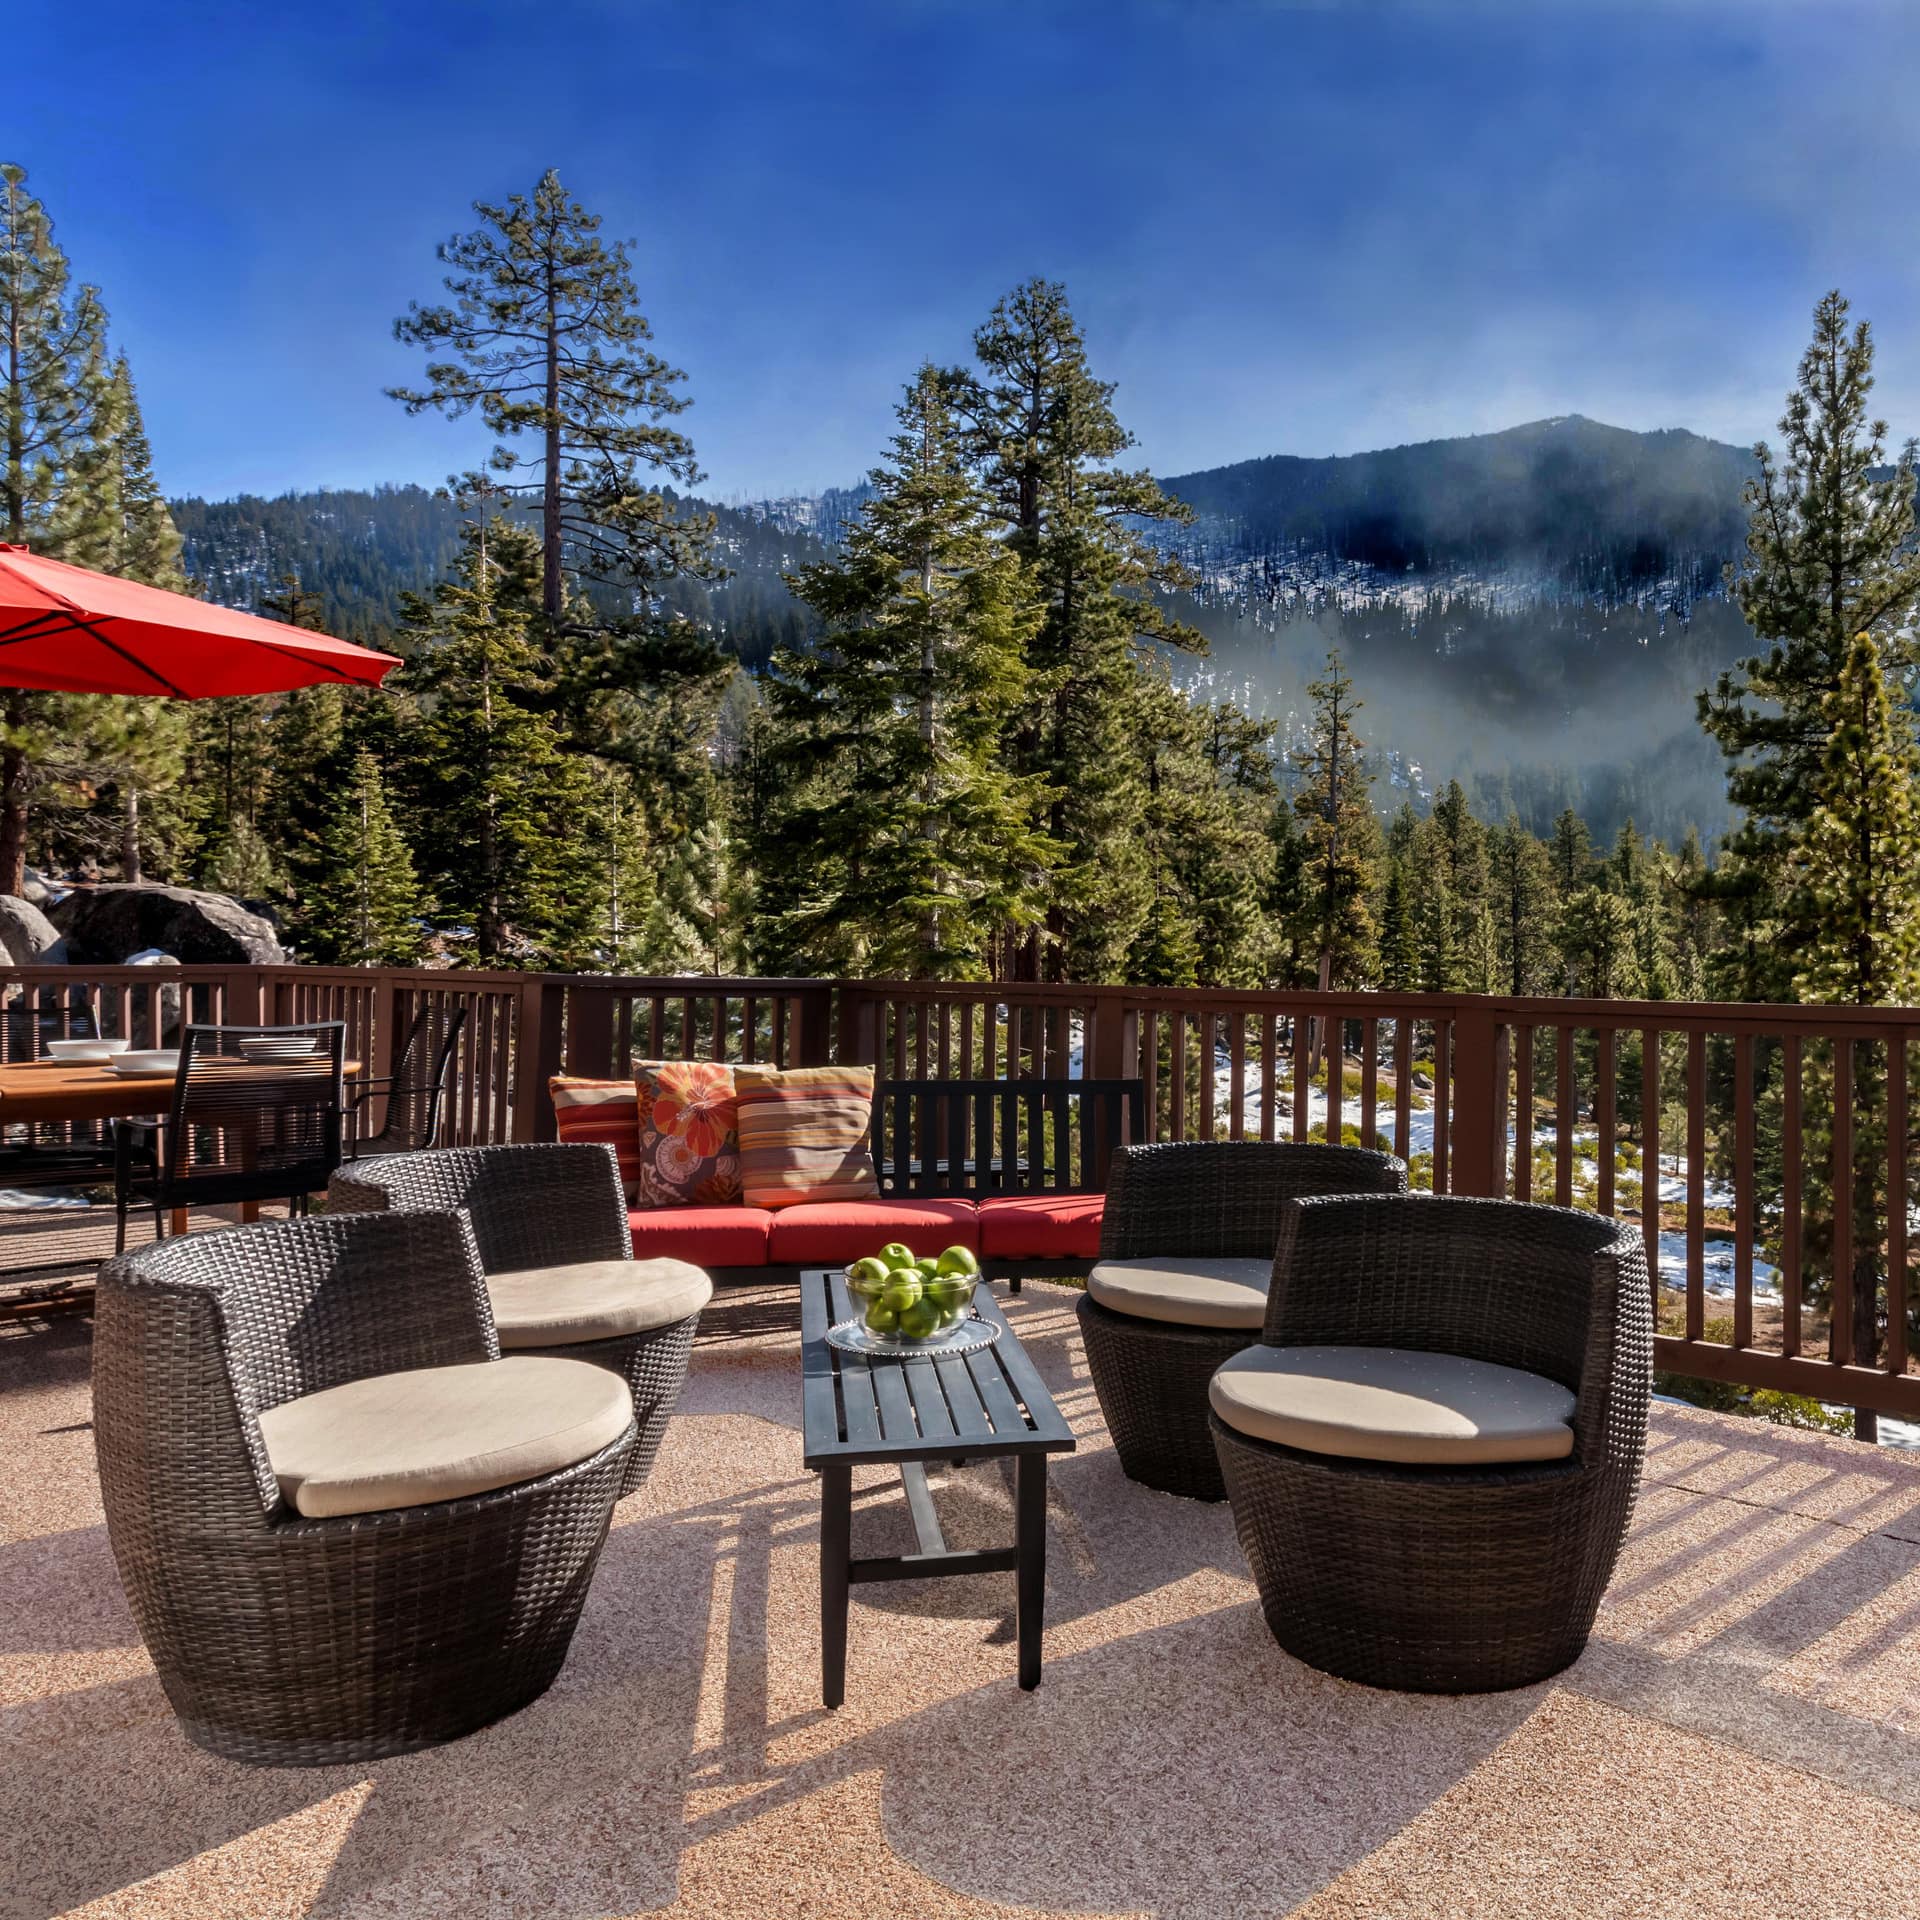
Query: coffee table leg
x,y
836,1550
1030,1577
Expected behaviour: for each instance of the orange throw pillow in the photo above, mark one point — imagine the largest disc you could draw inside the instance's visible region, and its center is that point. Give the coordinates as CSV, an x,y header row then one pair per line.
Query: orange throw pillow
x,y
804,1134
689,1134
606,1111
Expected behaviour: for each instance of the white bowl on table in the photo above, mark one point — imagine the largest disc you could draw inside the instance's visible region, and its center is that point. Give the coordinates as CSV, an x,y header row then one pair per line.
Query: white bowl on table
x,y
86,1050
148,1063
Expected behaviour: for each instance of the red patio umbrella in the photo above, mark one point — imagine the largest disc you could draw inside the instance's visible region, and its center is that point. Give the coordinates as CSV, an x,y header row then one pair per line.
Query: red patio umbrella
x,y
67,629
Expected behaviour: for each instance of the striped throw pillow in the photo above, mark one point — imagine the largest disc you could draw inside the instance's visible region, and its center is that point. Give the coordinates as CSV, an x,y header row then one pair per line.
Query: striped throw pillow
x,y
804,1134
607,1111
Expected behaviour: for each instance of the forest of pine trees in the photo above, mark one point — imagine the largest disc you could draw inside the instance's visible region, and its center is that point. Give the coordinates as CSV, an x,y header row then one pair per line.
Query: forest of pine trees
x,y
971,755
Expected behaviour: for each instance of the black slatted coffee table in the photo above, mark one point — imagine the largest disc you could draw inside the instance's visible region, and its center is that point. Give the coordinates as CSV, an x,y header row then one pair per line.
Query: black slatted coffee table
x,y
861,1411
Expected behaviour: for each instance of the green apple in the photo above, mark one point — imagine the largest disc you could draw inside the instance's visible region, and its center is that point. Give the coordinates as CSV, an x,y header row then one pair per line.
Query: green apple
x,y
881,1318
928,1265
903,1291
921,1320
951,1292
868,1275
896,1255
958,1260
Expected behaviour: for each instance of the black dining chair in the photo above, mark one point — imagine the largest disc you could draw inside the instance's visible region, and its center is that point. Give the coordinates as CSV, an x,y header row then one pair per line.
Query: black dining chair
x,y
415,1091
256,1115
65,1153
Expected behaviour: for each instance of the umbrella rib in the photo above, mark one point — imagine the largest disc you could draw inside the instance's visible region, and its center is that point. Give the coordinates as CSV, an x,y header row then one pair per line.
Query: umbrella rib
x,y
308,660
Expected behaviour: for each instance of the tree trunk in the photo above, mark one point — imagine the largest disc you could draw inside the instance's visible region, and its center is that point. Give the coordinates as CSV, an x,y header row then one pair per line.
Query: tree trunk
x,y
130,870
550,582
13,799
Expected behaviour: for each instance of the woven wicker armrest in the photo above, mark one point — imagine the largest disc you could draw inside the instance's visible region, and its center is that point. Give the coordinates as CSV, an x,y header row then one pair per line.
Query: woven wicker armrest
x,y
538,1205
1224,1197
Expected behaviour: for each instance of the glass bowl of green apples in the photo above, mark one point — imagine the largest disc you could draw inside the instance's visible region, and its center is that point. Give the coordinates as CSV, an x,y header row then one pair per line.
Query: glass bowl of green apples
x,y
910,1300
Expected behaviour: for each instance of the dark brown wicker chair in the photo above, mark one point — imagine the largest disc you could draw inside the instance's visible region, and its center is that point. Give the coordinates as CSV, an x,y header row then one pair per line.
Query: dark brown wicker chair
x,y
1450,1579
540,1206
1205,1199
239,1129
288,1641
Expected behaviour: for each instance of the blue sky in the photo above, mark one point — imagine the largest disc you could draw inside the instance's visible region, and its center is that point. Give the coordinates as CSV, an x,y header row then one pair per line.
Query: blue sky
x,y
1286,228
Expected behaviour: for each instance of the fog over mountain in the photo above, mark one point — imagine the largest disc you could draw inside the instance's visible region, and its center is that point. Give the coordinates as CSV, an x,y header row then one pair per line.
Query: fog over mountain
x,y
1532,611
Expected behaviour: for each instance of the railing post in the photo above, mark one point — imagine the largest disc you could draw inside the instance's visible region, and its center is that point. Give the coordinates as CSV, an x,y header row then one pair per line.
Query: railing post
x,y
815,1038
1114,1039
1478,1143
537,1056
857,1037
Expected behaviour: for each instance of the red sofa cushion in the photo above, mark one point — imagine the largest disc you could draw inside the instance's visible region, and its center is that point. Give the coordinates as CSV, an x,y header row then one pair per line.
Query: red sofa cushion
x,y
828,1233
1041,1226
708,1236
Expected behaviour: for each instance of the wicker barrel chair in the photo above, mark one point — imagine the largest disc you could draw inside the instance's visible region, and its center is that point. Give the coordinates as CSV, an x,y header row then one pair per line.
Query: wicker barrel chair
x,y
551,1223
320,1574
1186,1253
1433,1454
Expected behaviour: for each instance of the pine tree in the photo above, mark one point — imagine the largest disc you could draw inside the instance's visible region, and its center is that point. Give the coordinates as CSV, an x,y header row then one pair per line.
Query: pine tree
x,y
508,833
1521,881
364,908
1854,881
1855,876
1342,836
1399,935
898,842
55,380
545,338
1830,555
699,920
1046,438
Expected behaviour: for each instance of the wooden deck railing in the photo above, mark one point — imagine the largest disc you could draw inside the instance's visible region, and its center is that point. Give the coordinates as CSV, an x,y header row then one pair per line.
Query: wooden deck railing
x,y
1759,1115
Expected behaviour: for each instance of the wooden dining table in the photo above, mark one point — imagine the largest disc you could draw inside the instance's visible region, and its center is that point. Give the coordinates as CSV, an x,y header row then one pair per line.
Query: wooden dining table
x,y
48,1092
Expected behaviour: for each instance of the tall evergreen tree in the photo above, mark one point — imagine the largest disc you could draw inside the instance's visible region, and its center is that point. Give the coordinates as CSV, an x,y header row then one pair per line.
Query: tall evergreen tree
x,y
1342,835
1830,555
57,402
1521,880
899,842
364,908
509,824
544,336
1045,434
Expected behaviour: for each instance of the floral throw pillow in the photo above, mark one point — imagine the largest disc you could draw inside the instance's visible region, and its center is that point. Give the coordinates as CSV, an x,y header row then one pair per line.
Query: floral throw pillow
x,y
689,1134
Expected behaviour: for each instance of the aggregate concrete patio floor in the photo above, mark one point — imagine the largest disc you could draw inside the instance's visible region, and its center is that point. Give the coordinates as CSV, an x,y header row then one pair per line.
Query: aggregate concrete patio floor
x,y
1743,1737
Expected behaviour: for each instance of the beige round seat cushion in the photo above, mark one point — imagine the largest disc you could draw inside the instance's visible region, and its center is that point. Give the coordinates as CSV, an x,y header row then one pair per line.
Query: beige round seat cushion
x,y
1386,1403
593,1300
440,1433
1186,1290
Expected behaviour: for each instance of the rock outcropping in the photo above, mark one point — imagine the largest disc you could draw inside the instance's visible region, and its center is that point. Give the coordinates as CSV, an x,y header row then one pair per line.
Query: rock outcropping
x,y
27,937
105,926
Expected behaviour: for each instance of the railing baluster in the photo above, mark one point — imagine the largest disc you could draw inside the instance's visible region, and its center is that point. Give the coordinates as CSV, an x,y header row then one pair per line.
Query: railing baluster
x,y
1269,1071
1792,1175
1840,1332
1369,1080
1744,1225
1177,1075
1563,1117
1696,1183
1302,1075
1237,1073
1605,1125
1402,1086
1650,1156
1896,1203
1442,1106
1522,1188
1209,1056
